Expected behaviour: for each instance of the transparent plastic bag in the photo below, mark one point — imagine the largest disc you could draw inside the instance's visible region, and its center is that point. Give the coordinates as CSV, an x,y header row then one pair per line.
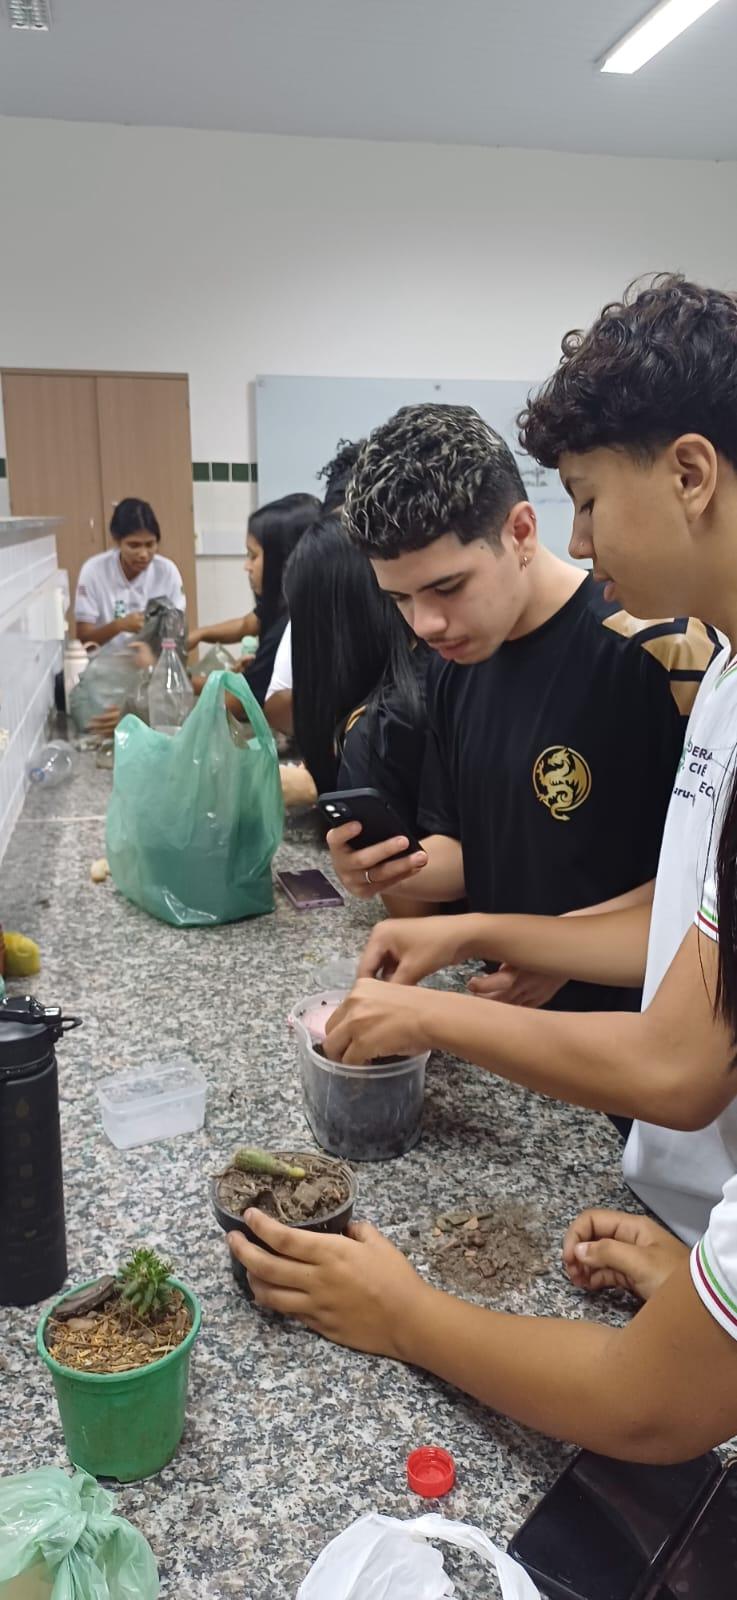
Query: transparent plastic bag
x,y
216,659
111,679
60,1538
381,1558
195,818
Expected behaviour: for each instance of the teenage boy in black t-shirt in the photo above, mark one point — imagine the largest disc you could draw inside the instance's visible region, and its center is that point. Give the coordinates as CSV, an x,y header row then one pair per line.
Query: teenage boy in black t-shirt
x,y
556,720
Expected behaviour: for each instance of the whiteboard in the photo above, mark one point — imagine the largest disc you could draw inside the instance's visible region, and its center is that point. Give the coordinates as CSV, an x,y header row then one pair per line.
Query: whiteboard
x,y
300,420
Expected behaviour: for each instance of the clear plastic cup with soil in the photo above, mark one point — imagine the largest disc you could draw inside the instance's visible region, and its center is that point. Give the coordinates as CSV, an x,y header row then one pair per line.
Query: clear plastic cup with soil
x,y
118,1349
362,1113
300,1188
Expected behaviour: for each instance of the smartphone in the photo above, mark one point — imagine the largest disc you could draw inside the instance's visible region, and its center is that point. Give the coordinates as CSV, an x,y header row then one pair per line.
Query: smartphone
x,y
604,1529
309,889
704,1566
379,820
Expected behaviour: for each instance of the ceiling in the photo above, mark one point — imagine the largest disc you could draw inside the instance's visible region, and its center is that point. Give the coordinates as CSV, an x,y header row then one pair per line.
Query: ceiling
x,y
486,72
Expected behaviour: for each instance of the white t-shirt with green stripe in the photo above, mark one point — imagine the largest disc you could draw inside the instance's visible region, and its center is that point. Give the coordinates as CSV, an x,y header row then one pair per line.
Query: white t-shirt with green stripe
x,y
680,1176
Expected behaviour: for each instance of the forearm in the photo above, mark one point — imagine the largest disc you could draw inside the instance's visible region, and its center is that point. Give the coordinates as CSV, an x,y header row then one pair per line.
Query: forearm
x,y
228,632
442,879
616,1062
608,947
279,711
597,1386
97,632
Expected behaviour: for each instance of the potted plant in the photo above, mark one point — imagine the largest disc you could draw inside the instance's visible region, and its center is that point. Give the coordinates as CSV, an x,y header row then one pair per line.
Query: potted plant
x,y
302,1188
118,1350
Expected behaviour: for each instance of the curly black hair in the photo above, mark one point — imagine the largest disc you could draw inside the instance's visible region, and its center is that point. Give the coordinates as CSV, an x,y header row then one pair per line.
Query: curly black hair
x,y
430,470
337,473
658,363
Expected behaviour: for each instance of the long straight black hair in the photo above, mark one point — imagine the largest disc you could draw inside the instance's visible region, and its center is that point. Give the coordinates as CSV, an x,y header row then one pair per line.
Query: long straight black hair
x,y
349,644
277,527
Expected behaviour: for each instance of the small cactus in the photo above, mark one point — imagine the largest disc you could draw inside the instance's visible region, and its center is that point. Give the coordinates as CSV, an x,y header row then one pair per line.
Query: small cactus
x,y
143,1282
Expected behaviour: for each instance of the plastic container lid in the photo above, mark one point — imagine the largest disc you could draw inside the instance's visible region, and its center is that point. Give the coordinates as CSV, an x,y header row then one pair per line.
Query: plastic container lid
x,y
155,1083
431,1471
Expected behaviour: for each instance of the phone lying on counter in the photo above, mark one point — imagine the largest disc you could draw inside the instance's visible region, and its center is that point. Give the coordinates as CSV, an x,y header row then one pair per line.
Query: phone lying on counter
x,y
704,1567
309,890
379,821
606,1529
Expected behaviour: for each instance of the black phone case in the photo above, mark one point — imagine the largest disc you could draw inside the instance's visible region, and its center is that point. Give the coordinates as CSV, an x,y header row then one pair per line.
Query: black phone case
x,y
379,820
648,1586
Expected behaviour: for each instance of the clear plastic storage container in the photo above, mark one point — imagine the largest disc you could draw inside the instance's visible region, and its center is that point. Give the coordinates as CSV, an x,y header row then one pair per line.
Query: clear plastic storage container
x,y
158,1101
360,1113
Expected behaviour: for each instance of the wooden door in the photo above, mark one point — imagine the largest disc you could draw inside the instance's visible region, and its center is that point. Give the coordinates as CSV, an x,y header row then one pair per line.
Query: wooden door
x,y
145,451
53,451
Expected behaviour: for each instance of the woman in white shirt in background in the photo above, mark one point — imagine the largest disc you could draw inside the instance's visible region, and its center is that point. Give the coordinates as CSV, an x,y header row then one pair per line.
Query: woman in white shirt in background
x,y
115,587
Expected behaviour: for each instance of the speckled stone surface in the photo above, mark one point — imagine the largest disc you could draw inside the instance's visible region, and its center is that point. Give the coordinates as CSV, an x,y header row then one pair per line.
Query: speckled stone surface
x,y
288,1438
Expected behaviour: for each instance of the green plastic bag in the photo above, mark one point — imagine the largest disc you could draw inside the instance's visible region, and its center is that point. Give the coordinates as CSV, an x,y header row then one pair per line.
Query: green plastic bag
x,y
195,818
59,1538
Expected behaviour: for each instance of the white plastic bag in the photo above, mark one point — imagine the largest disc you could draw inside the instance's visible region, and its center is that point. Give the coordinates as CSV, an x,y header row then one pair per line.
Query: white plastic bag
x,y
381,1558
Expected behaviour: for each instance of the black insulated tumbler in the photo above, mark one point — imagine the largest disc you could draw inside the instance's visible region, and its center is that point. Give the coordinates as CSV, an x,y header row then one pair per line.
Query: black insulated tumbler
x,y
33,1248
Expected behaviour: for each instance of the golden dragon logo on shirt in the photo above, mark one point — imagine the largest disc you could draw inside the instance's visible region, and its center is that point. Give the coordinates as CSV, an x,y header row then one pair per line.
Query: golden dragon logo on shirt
x,y
562,780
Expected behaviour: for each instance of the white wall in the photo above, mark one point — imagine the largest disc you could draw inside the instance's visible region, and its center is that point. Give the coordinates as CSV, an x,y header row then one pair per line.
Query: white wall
x,y
226,255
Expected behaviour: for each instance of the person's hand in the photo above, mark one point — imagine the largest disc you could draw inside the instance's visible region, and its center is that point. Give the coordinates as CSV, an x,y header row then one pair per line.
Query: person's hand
x,y
132,623
378,1020
297,786
198,681
107,722
384,872
410,948
193,639
515,988
355,1289
613,1250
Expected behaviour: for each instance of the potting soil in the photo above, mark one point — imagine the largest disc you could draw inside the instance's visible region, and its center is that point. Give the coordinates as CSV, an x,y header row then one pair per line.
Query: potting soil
x,y
307,1199
113,1338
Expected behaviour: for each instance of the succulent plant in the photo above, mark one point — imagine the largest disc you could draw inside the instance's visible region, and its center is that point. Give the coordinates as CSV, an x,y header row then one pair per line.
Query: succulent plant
x,y
261,1161
143,1281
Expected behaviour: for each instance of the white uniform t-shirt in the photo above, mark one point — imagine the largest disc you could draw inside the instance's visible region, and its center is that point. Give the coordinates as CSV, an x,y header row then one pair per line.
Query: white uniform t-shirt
x,y
680,1176
281,677
714,1261
104,592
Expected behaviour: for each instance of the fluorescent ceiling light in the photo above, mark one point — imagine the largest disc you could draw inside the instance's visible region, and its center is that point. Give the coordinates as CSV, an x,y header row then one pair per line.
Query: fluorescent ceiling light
x,y
652,34
30,14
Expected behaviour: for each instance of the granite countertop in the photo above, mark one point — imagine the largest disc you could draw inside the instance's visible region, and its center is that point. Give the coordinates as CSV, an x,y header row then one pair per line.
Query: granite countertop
x,y
288,1438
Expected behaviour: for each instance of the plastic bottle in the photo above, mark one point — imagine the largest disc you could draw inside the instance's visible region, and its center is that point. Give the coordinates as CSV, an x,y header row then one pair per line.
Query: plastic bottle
x,y
76,661
54,764
170,694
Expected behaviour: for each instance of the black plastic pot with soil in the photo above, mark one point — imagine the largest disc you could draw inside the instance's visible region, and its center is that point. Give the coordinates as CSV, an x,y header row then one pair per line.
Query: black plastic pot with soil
x,y
300,1188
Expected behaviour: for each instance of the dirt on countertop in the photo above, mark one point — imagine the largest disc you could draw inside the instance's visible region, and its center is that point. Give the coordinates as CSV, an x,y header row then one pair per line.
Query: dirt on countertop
x,y
472,1248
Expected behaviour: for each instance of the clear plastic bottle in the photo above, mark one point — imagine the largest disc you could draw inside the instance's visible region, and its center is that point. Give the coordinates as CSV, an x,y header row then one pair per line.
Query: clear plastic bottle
x,y
170,694
55,764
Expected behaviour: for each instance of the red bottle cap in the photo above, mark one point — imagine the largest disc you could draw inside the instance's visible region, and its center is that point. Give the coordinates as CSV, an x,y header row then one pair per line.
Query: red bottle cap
x,y
431,1471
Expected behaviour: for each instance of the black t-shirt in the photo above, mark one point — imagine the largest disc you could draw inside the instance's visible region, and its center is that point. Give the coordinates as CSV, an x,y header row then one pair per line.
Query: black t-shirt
x,y
553,762
383,747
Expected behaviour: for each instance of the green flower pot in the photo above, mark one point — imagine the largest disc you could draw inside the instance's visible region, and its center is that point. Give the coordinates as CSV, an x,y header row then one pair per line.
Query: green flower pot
x,y
123,1425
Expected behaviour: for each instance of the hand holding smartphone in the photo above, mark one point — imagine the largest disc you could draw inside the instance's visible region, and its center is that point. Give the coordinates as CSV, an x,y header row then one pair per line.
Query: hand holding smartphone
x,y
379,821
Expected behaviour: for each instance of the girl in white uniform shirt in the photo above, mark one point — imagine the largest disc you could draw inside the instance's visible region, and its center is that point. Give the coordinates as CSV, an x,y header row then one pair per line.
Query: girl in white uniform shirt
x,y
641,420
115,587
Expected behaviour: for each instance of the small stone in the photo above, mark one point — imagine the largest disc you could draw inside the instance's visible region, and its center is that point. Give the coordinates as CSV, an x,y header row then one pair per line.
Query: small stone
x,y
99,870
471,1224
